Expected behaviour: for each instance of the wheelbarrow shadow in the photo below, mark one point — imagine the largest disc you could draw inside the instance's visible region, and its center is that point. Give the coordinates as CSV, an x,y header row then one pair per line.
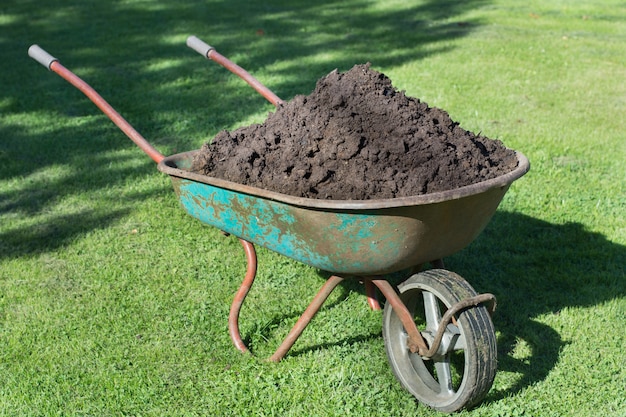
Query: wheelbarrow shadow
x,y
261,337
536,268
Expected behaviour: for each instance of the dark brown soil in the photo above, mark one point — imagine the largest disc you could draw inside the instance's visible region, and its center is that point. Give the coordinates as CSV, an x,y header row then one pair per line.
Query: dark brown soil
x,y
355,137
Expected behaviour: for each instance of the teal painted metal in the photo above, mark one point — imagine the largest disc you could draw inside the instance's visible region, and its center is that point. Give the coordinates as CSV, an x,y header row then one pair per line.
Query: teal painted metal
x,y
331,241
263,222
343,237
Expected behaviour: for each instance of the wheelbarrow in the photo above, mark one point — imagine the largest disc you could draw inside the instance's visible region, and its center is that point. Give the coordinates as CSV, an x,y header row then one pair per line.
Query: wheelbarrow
x,y
437,331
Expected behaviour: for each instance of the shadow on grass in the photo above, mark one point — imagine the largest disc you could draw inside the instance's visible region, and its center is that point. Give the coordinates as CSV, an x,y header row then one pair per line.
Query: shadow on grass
x,y
134,54
258,335
57,231
43,170
534,268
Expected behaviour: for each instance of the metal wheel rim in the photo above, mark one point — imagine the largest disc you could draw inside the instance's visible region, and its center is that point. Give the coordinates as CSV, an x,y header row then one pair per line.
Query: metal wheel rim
x,y
418,377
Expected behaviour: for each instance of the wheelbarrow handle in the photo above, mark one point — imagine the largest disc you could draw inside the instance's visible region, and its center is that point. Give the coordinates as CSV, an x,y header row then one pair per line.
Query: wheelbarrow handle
x,y
53,64
199,46
209,52
38,54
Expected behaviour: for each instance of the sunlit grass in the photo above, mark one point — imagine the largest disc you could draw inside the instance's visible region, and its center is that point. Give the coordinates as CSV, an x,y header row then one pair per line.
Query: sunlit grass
x,y
114,302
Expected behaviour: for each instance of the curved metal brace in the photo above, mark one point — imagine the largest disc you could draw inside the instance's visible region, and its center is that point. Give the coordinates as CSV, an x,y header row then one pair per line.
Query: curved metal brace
x,y
240,296
416,342
449,316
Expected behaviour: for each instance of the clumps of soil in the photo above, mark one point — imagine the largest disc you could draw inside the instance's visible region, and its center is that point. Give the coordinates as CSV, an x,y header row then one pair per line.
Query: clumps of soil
x,y
355,137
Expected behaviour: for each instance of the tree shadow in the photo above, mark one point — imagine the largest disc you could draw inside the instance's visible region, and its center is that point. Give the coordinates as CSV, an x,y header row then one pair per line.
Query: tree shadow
x,y
33,222
134,55
58,231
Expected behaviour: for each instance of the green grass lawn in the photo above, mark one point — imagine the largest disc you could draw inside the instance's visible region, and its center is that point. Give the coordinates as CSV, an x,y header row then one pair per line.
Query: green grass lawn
x,y
114,302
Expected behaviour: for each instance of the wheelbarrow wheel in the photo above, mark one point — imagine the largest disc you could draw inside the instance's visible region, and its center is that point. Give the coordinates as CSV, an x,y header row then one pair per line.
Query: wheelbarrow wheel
x,y
462,371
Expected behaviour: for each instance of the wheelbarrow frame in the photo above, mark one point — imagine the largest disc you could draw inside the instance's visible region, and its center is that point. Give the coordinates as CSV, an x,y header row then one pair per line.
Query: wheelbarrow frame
x,y
364,238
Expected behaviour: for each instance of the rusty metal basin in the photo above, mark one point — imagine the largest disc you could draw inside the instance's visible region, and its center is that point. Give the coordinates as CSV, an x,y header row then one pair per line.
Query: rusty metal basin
x,y
350,237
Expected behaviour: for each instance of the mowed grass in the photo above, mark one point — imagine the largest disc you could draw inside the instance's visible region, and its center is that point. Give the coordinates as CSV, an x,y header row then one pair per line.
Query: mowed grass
x,y
114,302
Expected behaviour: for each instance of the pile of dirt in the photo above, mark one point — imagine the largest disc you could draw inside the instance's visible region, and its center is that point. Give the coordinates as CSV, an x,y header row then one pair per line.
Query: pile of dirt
x,y
355,137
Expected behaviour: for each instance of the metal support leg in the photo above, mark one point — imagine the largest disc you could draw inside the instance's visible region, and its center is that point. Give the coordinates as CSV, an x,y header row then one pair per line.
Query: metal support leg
x,y
416,341
372,298
235,308
306,318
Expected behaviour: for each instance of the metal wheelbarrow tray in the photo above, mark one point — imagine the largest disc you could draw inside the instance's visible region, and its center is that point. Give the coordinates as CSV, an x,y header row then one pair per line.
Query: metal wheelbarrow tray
x,y
438,334
350,237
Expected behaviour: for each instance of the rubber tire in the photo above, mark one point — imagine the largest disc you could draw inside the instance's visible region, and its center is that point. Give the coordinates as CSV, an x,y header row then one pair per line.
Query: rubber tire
x,y
474,324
